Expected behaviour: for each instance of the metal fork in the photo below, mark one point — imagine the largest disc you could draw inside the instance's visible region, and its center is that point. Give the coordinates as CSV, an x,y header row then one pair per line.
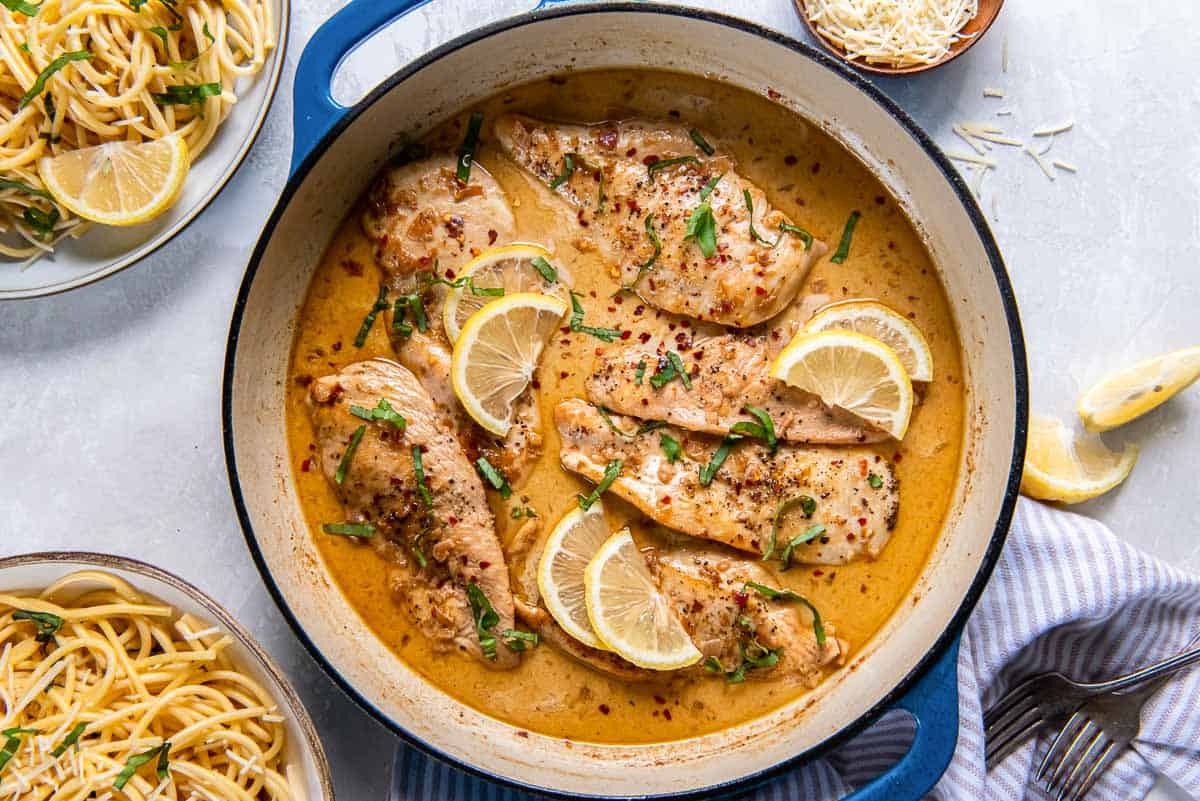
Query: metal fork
x,y
1050,697
1092,739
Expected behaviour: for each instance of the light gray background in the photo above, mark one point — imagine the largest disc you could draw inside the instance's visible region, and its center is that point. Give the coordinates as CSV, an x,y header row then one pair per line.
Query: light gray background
x,y
110,433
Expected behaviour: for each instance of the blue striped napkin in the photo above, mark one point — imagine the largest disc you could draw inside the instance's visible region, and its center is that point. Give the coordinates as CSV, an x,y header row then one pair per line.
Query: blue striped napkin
x,y
1067,595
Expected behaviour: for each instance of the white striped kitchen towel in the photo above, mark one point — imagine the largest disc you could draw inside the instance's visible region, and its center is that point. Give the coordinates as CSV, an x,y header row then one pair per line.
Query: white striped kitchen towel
x,y
1066,595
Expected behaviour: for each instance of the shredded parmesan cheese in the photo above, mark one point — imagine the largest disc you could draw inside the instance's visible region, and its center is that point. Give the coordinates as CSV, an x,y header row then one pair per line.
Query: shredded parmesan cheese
x,y
993,92
1063,165
898,33
1051,130
1033,154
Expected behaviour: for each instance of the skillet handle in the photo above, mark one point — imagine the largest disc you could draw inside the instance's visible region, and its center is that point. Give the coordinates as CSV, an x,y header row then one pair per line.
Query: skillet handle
x,y
933,703
315,111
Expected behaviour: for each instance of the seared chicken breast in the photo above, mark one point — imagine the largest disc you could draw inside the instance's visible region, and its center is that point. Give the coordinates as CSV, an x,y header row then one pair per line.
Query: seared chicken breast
x,y
852,492
692,203
727,372
421,220
438,516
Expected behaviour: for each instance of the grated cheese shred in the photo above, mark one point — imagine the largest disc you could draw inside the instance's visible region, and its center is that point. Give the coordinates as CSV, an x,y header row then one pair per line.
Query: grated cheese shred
x,y
897,33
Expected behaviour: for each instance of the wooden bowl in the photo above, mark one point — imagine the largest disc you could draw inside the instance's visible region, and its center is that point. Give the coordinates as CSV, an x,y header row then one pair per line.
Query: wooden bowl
x,y
977,27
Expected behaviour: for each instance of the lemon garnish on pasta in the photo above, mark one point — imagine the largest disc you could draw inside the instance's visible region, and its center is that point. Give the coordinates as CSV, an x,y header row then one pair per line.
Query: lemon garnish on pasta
x,y
118,183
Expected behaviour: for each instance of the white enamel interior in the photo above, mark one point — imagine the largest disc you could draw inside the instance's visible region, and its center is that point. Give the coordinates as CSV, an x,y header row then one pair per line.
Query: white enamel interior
x,y
310,771
519,54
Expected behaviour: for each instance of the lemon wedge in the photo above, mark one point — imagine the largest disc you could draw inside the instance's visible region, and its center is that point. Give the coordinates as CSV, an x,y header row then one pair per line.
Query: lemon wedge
x,y
628,612
513,268
1060,466
1132,392
873,319
854,372
118,183
496,353
571,545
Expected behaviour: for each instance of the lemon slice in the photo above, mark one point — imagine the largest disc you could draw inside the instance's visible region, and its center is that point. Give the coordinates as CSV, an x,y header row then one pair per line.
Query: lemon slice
x,y
497,352
871,318
1134,391
855,372
571,545
627,611
510,268
1059,466
118,183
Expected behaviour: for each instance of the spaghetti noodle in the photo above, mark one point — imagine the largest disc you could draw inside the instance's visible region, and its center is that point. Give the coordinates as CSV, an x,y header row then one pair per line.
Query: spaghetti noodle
x,y
77,73
108,694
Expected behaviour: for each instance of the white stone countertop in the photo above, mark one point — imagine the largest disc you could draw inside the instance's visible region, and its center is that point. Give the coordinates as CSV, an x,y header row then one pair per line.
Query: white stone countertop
x,y
110,438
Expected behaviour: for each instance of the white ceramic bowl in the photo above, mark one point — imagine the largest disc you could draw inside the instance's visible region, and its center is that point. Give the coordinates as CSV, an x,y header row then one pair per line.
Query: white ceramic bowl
x,y
104,250
338,151
37,570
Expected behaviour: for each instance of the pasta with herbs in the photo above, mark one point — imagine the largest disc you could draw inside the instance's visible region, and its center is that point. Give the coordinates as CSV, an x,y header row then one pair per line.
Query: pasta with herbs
x,y
106,693
78,73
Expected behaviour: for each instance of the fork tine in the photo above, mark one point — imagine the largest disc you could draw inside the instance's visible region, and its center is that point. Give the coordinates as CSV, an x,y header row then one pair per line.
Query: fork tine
x,y
1019,693
1111,752
1083,768
1054,754
1012,714
1088,730
999,745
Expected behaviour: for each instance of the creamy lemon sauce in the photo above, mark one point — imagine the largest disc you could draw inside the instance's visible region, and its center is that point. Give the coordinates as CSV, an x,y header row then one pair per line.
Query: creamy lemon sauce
x,y
817,183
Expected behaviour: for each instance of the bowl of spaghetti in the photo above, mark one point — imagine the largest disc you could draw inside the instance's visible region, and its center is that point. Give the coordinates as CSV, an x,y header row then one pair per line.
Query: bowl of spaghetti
x,y
87,84
118,679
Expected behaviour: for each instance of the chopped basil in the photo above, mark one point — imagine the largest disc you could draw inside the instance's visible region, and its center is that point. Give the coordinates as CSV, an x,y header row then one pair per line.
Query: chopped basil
x,y
137,760
702,225
875,481
362,531
403,304
21,7
709,471
764,429
517,512
187,94
567,171
653,167
208,35
807,506
494,477
807,536
737,676
23,46
466,153
422,484
670,367
484,291
39,84
545,269
650,425
12,743
169,5
47,624
71,739
348,455
640,372
843,248
383,412
713,665
485,619
161,33
648,263
671,447
519,640
418,554
576,323
606,415
788,595
701,142
757,655
755,235
380,304
611,471
41,222
136,5
805,236
745,622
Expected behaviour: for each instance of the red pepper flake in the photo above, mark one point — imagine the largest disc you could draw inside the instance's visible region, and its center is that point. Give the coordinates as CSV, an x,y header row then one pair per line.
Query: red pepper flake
x,y
619,299
563,374
649,160
665,500
758,290
659,699
667,714
452,520
862,521
896,458
771,93
304,380
741,599
644,337
492,235
604,710
850,537
535,384
877,458
626,334
484,565
789,160
524,734
352,267
818,572
862,467
449,273
306,465
631,152
337,346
